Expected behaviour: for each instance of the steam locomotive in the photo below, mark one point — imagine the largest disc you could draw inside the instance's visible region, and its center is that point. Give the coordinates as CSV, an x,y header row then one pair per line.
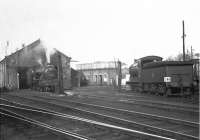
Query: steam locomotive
x,y
151,74
46,80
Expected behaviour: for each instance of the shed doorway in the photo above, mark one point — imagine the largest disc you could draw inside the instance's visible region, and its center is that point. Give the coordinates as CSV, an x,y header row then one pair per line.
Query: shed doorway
x,y
23,84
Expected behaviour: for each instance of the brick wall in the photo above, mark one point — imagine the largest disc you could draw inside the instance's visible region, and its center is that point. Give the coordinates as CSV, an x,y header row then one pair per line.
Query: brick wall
x,y
65,61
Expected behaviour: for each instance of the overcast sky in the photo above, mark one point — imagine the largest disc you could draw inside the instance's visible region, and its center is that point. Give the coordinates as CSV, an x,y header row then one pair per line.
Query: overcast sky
x,y
101,30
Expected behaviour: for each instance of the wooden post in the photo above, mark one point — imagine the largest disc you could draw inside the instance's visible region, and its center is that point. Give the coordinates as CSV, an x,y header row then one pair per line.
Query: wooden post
x,y
119,75
5,66
79,79
60,75
191,53
183,41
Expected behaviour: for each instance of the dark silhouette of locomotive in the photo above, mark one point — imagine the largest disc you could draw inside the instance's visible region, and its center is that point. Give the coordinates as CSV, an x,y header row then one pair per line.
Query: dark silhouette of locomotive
x,y
151,74
47,79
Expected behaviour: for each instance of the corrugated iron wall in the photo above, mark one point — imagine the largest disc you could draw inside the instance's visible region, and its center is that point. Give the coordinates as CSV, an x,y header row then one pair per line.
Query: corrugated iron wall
x,y
12,78
8,76
2,74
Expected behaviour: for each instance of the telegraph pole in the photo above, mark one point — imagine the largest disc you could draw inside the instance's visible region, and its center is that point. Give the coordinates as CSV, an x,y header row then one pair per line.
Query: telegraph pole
x,y
119,74
115,80
183,40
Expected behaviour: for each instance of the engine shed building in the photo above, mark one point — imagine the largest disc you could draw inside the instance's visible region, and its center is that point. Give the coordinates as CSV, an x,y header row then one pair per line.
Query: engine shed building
x,y
17,68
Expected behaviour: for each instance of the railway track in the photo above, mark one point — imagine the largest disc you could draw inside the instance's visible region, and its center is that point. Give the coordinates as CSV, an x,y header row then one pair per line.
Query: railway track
x,y
157,125
36,130
149,103
177,112
77,127
110,92
188,112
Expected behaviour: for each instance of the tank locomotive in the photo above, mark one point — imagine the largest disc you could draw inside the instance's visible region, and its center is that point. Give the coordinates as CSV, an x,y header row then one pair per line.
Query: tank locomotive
x,y
46,80
151,74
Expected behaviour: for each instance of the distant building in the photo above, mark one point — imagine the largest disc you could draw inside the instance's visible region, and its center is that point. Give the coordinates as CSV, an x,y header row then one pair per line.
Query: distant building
x,y
78,79
16,70
100,72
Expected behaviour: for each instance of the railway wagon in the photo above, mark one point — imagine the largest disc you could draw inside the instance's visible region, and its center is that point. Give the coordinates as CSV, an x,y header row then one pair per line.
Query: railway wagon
x,y
167,77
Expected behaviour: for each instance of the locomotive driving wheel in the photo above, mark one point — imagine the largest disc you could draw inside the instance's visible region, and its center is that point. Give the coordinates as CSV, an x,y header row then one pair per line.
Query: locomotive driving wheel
x,y
161,89
168,92
154,88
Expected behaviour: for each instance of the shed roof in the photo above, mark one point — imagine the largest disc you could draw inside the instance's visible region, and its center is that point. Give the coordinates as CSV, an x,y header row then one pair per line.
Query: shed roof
x,y
30,46
27,57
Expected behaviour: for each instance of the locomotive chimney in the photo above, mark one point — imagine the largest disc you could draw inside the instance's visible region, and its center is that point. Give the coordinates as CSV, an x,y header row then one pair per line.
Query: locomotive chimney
x,y
23,45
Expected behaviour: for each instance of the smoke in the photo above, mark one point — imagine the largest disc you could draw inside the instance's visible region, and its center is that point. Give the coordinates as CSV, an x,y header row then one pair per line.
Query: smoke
x,y
30,55
49,50
34,54
40,61
39,54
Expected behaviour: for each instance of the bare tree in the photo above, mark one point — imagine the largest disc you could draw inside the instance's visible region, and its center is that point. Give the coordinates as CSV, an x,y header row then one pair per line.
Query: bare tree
x,y
179,57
